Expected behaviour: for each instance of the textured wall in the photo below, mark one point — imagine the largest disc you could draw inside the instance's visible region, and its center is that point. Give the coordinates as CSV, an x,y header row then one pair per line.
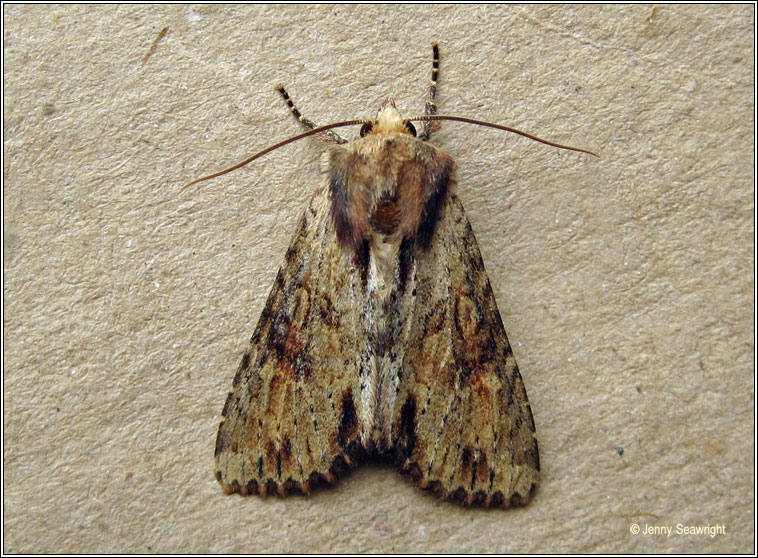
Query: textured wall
x,y
625,283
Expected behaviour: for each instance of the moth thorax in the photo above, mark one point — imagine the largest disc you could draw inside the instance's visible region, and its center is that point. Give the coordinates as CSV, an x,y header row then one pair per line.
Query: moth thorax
x,y
386,215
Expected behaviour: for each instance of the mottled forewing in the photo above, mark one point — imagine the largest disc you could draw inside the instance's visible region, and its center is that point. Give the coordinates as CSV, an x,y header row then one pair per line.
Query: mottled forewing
x,y
460,421
293,415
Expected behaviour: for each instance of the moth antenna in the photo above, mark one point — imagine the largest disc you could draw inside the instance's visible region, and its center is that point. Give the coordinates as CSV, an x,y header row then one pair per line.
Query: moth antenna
x,y
500,127
312,132
427,118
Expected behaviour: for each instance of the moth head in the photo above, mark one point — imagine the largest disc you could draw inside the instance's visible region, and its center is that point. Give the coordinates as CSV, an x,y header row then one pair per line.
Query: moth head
x,y
388,119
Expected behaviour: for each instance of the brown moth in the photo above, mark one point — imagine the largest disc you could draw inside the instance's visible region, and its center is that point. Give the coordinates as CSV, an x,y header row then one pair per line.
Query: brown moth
x,y
381,335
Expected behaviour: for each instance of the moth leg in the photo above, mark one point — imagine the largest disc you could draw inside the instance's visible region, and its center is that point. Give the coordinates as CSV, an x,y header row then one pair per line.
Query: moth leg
x,y
430,106
329,136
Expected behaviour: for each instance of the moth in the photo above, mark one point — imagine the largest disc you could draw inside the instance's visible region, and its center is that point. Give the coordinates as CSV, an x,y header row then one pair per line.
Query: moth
x,y
381,334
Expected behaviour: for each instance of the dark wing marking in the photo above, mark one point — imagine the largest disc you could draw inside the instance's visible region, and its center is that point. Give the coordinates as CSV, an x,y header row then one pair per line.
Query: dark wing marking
x,y
458,420
296,412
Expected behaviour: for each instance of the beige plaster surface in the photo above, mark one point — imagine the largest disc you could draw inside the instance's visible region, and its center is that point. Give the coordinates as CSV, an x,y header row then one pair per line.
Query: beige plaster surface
x,y
625,283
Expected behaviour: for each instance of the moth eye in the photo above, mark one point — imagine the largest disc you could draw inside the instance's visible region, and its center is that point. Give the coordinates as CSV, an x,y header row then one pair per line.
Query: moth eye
x,y
366,128
411,128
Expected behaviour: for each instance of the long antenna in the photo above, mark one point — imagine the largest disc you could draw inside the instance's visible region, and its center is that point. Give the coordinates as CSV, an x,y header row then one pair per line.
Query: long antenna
x,y
312,132
501,127
428,117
